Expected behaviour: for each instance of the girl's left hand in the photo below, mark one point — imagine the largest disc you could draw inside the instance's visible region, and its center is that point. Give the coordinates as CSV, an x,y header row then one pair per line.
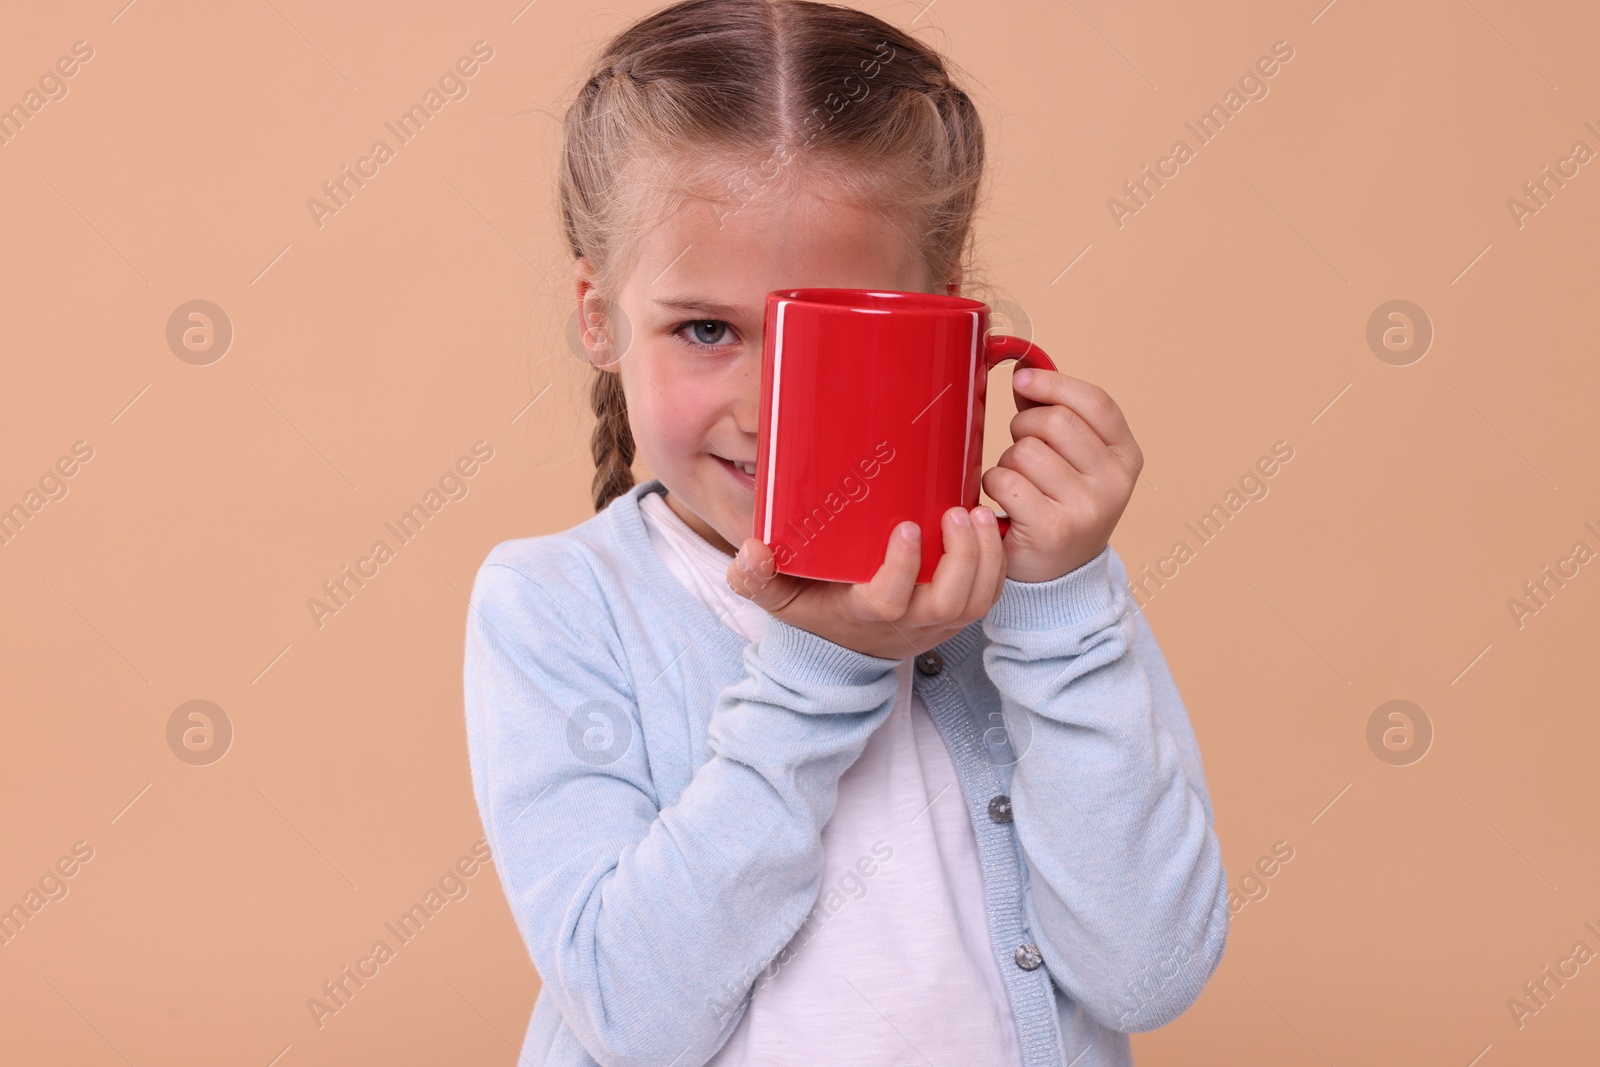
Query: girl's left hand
x,y
1067,477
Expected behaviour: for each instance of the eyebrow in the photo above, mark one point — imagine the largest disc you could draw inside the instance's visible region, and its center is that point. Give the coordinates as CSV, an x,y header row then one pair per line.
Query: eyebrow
x,y
711,308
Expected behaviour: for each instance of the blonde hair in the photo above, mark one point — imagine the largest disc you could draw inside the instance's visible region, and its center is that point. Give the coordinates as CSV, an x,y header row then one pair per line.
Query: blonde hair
x,y
765,91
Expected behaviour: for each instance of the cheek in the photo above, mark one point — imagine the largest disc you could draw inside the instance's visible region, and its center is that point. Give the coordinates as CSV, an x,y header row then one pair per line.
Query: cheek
x,y
669,412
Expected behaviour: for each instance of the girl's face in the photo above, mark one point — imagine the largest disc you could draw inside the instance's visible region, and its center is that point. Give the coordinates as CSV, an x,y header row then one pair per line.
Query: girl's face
x,y
695,303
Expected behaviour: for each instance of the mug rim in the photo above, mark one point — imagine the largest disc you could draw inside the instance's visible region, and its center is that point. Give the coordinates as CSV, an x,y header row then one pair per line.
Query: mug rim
x,y
900,301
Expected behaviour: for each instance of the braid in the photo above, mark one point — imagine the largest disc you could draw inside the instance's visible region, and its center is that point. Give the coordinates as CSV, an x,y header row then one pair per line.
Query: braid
x,y
612,441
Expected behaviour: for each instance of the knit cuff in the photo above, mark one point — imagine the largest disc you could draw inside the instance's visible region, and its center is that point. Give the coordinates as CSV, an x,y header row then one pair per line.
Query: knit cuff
x,y
807,657
1072,599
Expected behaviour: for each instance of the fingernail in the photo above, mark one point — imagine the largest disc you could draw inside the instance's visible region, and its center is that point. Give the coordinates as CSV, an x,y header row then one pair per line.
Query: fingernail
x,y
742,558
1022,377
984,516
910,531
961,517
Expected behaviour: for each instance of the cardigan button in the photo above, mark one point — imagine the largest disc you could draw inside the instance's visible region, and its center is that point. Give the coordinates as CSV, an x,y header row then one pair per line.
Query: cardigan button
x,y
1000,808
930,662
1028,957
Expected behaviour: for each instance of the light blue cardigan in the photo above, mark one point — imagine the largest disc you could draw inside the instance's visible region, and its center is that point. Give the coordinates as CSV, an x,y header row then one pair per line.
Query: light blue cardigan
x,y
654,789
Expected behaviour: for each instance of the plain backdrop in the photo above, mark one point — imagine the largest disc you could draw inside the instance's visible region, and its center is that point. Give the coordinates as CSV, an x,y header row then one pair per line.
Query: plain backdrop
x,y
372,348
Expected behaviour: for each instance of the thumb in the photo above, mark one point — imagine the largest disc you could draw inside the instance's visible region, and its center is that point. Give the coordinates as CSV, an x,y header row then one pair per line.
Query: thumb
x,y
753,574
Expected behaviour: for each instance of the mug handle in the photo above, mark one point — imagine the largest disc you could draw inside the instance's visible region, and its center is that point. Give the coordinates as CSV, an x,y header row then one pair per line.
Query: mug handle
x,y
999,347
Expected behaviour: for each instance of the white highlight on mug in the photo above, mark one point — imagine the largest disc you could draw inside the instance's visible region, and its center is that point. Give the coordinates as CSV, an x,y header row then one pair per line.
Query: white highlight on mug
x,y
972,384
772,436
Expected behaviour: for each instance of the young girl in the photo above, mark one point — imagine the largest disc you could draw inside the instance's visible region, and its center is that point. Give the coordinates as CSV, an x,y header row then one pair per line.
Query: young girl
x,y
748,819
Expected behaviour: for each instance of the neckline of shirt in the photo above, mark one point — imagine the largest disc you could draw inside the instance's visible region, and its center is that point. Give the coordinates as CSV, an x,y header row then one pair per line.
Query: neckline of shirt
x,y
627,524
697,544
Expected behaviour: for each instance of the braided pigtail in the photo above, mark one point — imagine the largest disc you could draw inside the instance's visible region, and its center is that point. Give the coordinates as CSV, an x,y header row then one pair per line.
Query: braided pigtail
x,y
612,441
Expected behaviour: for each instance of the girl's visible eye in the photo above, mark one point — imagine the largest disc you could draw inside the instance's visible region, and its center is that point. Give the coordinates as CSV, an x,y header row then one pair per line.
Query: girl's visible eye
x,y
704,333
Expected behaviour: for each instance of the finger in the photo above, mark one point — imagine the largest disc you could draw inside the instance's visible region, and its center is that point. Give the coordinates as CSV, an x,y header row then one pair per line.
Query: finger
x,y
1093,403
1000,582
886,596
1005,569
753,575
1045,468
946,596
986,582
1015,493
1072,438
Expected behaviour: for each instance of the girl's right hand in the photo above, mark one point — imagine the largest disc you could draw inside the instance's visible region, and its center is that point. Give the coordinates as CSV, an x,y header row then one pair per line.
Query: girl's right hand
x,y
890,617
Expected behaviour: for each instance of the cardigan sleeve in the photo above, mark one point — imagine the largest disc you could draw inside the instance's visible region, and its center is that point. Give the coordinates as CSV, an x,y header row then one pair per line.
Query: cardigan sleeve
x,y
1127,898
649,924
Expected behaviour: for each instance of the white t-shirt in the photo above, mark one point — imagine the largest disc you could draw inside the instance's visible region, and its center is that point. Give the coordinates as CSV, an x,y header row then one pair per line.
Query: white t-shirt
x,y
894,964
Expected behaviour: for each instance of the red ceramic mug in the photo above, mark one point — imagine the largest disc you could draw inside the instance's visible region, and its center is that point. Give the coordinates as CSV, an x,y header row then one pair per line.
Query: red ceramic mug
x,y
871,414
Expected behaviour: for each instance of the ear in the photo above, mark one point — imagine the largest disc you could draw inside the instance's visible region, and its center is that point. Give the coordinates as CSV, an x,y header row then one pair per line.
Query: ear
x,y
591,332
953,287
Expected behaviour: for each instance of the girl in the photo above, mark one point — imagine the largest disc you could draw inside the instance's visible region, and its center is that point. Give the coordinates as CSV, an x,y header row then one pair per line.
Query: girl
x,y
748,819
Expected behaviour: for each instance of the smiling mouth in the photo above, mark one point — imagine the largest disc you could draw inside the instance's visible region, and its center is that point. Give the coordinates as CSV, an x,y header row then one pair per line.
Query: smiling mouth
x,y
744,471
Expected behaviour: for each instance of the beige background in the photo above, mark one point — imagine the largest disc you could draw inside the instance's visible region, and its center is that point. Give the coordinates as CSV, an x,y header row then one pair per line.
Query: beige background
x,y
1227,314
